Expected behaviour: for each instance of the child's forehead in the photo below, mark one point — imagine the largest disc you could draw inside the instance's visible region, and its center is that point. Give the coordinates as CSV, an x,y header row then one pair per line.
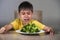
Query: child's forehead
x,y
25,10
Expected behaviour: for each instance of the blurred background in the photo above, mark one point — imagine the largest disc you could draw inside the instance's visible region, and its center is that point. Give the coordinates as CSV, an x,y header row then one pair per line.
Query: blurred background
x,y
50,11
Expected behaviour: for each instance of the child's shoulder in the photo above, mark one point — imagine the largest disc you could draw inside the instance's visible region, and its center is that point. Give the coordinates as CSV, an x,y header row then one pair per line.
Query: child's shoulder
x,y
16,20
33,20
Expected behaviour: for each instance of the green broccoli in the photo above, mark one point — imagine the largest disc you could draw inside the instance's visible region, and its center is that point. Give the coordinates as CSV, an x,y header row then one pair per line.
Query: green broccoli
x,y
30,28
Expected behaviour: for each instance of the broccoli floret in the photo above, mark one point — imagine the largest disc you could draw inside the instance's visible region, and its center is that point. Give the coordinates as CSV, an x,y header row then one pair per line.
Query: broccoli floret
x,y
30,28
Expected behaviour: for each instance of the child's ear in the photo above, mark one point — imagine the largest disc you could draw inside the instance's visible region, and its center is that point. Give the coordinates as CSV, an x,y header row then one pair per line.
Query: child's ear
x,y
18,14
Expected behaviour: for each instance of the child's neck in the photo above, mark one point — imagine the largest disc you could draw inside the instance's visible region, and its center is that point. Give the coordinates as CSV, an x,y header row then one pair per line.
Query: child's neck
x,y
25,23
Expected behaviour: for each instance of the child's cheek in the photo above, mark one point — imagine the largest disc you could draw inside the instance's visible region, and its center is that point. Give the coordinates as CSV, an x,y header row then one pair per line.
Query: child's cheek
x,y
21,17
30,16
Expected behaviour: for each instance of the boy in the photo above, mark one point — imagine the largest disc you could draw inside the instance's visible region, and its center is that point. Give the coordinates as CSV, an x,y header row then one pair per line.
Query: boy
x,y
25,11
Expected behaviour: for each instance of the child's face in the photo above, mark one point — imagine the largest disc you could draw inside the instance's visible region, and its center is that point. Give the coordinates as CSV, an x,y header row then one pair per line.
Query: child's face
x,y
25,15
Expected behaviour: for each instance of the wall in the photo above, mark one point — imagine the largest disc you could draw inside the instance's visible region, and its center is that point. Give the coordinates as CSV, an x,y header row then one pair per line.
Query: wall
x,y
50,8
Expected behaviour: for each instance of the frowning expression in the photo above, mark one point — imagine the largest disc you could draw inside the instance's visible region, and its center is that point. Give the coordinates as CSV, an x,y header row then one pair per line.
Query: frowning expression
x,y
25,15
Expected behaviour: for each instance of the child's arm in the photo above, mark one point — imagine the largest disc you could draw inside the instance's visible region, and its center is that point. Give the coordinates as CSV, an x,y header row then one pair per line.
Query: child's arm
x,y
49,30
5,28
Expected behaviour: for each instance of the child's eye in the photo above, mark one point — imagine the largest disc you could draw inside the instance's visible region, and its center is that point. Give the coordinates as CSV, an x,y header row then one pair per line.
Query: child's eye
x,y
28,13
23,13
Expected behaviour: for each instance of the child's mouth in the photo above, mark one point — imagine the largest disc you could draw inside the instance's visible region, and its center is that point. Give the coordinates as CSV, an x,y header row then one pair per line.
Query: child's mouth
x,y
26,19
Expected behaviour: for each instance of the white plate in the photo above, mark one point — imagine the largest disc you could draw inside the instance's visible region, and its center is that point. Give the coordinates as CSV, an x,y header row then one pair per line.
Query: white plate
x,y
18,31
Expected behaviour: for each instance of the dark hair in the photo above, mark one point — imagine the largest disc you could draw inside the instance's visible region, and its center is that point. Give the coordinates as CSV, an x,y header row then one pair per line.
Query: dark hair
x,y
25,5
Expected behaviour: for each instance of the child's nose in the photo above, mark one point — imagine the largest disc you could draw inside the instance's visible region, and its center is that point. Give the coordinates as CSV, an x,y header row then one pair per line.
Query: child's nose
x,y
26,15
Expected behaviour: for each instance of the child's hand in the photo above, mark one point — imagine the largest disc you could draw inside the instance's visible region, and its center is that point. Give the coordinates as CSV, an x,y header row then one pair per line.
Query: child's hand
x,y
49,30
2,30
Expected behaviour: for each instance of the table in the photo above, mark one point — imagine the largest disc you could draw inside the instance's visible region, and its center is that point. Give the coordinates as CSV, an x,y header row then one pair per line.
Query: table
x,y
11,35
